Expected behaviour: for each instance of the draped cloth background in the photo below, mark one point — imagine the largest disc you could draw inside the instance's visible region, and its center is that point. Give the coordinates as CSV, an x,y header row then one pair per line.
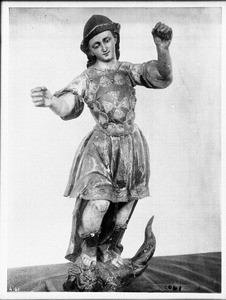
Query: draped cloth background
x,y
192,273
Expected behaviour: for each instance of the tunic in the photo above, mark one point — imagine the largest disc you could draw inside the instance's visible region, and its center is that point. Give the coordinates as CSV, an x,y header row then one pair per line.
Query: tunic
x,y
112,161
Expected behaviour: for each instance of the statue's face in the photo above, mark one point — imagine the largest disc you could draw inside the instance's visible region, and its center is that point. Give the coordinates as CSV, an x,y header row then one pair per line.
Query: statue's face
x,y
102,46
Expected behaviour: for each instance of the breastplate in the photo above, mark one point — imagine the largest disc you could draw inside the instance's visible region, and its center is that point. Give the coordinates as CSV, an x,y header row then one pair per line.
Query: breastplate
x,y
111,99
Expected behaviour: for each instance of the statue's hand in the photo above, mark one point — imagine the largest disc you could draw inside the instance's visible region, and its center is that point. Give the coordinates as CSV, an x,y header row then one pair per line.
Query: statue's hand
x,y
162,35
41,97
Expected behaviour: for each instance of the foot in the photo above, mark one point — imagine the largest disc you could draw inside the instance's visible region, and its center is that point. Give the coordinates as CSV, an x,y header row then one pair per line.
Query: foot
x,y
117,261
82,275
113,257
88,261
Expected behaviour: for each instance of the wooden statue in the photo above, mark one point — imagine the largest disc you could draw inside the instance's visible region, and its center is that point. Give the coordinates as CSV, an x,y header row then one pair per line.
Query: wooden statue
x,y
110,171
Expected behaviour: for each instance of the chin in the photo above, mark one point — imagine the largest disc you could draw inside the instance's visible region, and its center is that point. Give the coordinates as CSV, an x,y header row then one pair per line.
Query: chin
x,y
108,59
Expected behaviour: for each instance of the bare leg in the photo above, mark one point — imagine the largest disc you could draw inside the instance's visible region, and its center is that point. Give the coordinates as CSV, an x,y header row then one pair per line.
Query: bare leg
x,y
123,214
91,222
120,225
83,273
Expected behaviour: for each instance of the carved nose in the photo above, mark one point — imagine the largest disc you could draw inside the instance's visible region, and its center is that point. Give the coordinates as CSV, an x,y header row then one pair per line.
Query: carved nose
x,y
104,48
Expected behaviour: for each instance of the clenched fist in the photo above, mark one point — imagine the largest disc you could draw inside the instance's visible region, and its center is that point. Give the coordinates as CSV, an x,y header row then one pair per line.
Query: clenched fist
x,y
41,97
162,35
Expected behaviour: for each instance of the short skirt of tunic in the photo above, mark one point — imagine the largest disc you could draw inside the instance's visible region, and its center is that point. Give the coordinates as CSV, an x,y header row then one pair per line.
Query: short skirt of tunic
x,y
114,168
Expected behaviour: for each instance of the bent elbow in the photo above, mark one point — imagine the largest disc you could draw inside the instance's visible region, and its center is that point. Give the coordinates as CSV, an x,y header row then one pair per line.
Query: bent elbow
x,y
75,112
167,81
163,82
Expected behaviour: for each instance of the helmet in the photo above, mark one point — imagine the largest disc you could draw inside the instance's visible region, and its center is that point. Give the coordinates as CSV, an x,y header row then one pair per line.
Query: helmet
x,y
95,25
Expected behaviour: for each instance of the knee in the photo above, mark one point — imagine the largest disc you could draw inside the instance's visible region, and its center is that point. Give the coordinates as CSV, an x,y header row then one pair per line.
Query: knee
x,y
121,221
123,215
101,205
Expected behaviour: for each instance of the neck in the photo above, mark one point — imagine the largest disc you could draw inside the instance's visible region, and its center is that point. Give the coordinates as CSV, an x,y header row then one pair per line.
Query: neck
x,y
105,65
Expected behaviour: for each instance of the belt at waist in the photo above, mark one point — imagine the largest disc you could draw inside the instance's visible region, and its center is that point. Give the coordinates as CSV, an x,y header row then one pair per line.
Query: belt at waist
x,y
114,129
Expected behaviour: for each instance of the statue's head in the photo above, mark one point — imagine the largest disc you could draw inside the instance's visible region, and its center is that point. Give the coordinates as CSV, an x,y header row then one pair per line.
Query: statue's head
x,y
94,26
